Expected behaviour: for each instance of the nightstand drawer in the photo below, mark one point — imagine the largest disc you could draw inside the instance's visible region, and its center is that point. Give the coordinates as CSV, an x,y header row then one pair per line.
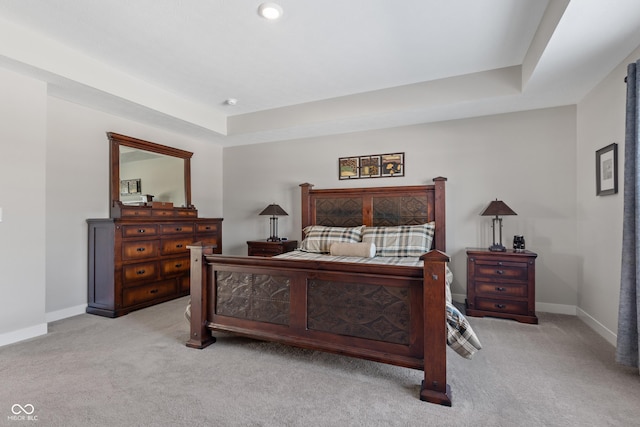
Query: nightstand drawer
x,y
502,289
265,251
266,248
504,270
501,306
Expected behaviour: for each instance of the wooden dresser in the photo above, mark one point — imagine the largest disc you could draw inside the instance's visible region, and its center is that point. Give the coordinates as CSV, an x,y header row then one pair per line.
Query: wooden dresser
x,y
502,284
141,258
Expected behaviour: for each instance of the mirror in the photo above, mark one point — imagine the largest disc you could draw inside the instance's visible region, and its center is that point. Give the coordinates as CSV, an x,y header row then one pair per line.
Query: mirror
x,y
144,172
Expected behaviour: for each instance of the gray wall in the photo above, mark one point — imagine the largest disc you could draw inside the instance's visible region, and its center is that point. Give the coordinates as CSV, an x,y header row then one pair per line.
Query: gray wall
x,y
22,199
601,121
525,159
55,174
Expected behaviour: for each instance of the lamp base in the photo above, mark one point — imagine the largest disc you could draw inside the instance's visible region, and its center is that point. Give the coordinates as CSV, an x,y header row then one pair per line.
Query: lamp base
x,y
274,239
496,247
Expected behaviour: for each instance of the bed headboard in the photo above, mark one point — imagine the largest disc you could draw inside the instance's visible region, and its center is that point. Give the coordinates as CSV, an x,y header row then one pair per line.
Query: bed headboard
x,y
377,206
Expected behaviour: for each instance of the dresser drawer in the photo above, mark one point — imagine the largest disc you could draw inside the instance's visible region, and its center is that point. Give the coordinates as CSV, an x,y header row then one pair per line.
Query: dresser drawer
x,y
168,229
176,246
136,212
175,266
185,284
161,213
187,213
501,306
139,230
141,294
136,272
207,228
514,271
141,249
503,289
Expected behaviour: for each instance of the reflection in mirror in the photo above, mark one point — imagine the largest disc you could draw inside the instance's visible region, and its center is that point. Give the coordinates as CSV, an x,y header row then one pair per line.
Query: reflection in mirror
x,y
146,176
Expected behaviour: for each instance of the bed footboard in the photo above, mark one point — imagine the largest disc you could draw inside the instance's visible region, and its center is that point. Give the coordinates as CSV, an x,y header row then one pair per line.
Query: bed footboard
x,y
388,314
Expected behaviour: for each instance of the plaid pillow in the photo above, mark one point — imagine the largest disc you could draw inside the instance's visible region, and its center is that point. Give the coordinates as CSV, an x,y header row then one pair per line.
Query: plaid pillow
x,y
319,238
401,240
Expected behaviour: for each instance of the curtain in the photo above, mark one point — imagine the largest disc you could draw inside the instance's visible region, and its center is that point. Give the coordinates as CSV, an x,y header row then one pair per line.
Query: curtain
x,y
629,306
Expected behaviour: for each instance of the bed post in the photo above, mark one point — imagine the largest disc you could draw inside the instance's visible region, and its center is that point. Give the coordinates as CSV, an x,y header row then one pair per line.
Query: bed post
x,y
434,386
199,336
306,205
440,214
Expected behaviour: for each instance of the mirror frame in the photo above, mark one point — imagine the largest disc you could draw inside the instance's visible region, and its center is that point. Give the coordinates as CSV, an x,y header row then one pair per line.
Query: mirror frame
x,y
114,170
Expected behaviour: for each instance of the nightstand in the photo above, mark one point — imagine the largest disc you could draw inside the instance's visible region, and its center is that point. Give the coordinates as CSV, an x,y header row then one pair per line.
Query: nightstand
x,y
268,249
502,284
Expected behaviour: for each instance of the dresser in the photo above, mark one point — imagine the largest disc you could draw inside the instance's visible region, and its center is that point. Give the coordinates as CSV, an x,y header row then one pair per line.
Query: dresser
x,y
501,284
142,258
266,248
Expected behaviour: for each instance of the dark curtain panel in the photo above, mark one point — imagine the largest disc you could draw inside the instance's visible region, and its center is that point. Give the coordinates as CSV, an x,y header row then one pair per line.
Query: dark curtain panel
x,y
628,311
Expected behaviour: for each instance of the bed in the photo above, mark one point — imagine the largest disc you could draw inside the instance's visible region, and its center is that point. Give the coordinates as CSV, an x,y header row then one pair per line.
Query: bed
x,y
396,312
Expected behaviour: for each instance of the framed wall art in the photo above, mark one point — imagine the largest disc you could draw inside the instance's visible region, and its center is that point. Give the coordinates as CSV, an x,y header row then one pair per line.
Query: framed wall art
x,y
130,187
607,170
393,164
349,167
371,166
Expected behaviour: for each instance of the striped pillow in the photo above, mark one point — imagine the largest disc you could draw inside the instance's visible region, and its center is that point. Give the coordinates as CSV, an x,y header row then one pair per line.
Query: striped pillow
x,y
401,240
319,238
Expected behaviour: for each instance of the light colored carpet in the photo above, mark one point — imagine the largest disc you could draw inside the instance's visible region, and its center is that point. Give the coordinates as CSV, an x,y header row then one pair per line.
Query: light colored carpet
x,y
136,371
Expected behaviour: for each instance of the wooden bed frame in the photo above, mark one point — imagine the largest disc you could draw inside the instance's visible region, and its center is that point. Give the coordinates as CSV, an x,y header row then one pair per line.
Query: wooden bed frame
x,y
399,312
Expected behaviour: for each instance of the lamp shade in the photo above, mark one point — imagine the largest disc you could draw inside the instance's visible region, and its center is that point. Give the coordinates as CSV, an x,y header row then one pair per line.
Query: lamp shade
x,y
498,208
274,210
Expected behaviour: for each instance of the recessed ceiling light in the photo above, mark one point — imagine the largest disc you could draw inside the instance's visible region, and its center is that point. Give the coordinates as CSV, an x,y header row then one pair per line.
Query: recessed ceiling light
x,y
231,101
270,11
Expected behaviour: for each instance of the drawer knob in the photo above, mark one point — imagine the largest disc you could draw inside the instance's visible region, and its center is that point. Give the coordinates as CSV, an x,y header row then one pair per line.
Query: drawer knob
x,y
140,272
500,271
178,265
142,230
500,263
501,306
179,246
500,289
178,228
140,249
153,291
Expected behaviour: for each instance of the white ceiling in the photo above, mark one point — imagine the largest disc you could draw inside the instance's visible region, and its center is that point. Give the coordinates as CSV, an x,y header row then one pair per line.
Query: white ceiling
x,y
325,67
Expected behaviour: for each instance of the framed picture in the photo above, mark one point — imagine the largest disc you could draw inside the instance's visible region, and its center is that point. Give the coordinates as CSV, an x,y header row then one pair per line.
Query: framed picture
x,y
392,164
130,187
607,170
369,166
348,167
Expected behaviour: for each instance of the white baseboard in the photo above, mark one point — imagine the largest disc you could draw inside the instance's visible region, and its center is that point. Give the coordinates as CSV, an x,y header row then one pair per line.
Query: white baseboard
x,y
66,312
602,330
23,334
547,307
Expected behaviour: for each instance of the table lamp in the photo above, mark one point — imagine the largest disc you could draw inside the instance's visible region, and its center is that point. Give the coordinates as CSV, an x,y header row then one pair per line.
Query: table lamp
x,y
496,209
275,211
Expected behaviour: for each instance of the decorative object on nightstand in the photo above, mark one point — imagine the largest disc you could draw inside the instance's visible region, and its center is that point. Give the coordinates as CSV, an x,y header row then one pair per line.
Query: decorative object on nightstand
x,y
496,209
518,243
275,211
502,284
268,248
